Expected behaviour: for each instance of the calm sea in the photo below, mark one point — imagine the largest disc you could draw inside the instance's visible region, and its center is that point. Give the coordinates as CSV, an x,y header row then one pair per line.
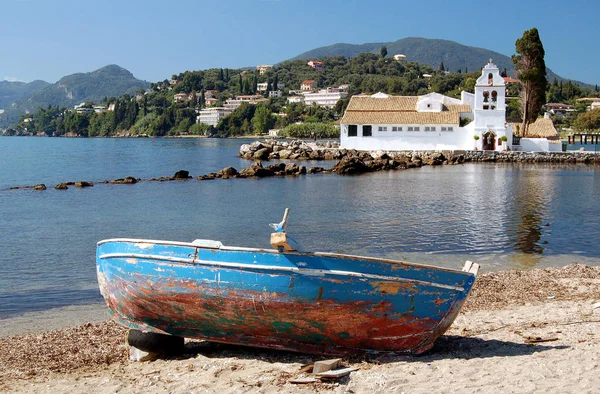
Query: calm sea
x,y
499,215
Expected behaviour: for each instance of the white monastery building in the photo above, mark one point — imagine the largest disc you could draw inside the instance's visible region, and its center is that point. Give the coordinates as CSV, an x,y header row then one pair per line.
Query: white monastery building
x,y
434,121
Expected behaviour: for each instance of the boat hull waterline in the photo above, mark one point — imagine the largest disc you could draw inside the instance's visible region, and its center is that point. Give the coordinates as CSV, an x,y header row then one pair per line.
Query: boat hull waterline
x,y
305,302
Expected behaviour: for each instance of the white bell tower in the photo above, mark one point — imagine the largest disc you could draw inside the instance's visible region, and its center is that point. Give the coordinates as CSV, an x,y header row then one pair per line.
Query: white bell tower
x,y
490,109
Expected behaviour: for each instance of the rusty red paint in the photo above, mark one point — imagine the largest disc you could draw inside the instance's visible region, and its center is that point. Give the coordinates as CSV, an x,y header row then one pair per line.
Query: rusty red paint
x,y
271,320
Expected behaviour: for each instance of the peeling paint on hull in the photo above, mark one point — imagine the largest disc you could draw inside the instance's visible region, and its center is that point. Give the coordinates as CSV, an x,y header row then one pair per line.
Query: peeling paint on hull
x,y
305,302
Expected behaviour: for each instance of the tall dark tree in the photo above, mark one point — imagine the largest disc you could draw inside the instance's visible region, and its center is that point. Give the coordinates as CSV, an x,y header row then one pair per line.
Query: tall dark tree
x,y
442,68
241,85
503,73
531,71
383,52
221,76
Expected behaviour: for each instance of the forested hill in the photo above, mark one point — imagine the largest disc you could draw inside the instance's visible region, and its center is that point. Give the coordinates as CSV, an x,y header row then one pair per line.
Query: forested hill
x,y
455,56
12,91
108,81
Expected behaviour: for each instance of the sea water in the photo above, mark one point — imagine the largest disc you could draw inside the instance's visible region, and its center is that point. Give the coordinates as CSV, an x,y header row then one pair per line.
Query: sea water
x,y
502,216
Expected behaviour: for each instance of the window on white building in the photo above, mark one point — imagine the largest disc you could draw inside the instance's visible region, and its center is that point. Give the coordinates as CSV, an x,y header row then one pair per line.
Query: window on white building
x,y
410,128
443,128
352,130
426,128
367,131
432,128
382,128
396,128
450,128
417,128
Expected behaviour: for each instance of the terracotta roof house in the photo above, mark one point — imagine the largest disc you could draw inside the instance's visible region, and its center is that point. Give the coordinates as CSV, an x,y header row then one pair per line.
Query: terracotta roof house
x,y
309,84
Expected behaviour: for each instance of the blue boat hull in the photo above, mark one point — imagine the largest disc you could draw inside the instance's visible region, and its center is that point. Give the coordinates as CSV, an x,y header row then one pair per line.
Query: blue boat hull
x,y
307,302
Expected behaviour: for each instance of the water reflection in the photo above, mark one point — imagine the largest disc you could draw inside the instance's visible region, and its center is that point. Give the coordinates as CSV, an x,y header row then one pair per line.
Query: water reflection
x,y
532,194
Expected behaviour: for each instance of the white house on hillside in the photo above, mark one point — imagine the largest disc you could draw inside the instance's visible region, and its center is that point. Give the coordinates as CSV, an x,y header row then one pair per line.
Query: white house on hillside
x,y
432,121
325,97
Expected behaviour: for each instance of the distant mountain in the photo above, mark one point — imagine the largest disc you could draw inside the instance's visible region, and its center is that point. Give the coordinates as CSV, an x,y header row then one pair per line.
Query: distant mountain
x,y
13,91
428,51
107,81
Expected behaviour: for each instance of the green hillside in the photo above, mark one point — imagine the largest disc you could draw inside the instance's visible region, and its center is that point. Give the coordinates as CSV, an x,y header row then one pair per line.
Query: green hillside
x,y
13,91
108,81
455,56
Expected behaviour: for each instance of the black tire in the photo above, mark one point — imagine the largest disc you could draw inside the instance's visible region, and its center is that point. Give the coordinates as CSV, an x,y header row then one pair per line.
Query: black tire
x,y
155,343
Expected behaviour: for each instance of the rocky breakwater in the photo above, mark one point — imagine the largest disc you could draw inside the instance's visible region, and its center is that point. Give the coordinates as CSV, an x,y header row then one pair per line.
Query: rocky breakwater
x,y
293,150
575,157
357,162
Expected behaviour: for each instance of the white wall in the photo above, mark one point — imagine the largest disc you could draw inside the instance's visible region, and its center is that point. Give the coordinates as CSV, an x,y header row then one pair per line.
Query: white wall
x,y
459,139
539,145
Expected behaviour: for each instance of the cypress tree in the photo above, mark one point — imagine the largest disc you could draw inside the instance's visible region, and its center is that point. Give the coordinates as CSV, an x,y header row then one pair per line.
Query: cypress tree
x,y
383,52
531,71
442,68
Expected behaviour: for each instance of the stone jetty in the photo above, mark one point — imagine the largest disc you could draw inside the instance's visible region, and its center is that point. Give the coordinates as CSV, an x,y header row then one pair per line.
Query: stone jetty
x,y
292,150
347,161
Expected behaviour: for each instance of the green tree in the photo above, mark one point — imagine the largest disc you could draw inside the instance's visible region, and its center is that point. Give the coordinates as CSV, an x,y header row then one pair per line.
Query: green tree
x,y
263,119
383,52
531,71
588,120
442,68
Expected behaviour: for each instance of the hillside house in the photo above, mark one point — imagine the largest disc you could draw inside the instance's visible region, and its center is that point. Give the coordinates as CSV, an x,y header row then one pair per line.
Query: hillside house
x,y
262,86
559,109
180,97
317,65
295,99
308,85
325,97
211,116
264,68
234,103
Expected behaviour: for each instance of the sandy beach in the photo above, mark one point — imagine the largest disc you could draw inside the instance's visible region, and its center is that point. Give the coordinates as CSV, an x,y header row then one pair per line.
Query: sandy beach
x,y
519,332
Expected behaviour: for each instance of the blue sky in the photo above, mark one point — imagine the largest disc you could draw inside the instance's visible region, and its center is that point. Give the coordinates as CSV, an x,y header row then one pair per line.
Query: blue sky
x,y
45,39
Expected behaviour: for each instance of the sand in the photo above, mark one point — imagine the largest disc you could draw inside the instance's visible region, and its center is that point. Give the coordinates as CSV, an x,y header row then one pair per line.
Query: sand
x,y
486,350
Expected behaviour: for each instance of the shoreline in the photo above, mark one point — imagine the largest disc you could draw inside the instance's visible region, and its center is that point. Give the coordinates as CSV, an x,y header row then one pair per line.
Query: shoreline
x,y
486,349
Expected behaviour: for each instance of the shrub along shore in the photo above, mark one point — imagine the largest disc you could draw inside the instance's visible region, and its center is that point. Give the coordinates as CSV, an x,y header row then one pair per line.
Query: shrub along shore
x,y
347,161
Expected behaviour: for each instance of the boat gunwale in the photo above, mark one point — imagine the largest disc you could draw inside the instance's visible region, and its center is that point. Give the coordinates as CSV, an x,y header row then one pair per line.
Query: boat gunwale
x,y
295,253
306,271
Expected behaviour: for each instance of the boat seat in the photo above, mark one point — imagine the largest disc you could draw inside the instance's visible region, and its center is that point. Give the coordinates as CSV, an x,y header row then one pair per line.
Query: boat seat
x,y
207,243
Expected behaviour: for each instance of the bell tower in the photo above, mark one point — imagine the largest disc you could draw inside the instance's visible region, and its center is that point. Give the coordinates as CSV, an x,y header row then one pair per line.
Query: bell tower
x,y
490,109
